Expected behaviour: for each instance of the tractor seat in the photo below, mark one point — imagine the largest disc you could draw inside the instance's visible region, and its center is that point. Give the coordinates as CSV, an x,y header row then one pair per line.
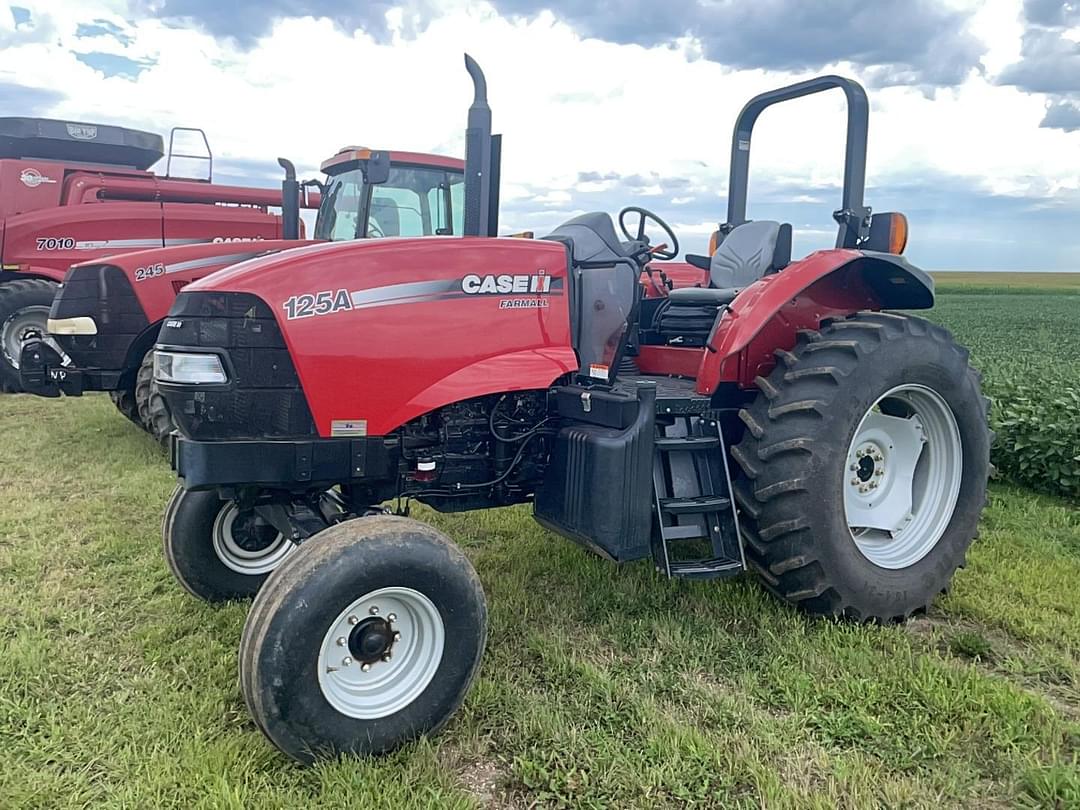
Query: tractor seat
x,y
591,239
749,252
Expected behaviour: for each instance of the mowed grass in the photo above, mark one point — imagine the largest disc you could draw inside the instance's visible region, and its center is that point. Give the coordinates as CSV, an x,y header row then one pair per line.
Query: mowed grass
x,y
602,686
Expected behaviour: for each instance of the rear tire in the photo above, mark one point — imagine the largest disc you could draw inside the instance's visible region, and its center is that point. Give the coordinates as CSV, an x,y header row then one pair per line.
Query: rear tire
x,y
24,307
216,552
805,532
307,640
154,414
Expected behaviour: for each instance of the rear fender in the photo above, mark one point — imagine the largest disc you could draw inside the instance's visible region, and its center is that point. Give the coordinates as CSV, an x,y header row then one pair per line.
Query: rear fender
x,y
827,284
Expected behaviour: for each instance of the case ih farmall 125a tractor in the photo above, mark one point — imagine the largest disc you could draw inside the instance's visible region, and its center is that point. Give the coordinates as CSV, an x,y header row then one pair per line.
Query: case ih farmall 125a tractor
x,y
71,192
775,418
104,322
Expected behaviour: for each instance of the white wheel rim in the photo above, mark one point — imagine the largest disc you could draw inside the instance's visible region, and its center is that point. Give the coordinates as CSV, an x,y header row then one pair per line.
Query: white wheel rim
x,y
238,553
375,688
902,476
17,329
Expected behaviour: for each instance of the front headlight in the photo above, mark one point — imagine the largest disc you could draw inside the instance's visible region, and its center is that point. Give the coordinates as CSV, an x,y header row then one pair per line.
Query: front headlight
x,y
82,325
184,367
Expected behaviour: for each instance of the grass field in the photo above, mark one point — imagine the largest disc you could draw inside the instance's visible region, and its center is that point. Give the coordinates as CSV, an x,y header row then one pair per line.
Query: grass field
x,y
602,686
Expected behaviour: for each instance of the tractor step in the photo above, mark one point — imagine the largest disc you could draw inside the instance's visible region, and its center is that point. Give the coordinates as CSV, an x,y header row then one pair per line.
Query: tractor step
x,y
706,569
688,443
694,506
696,529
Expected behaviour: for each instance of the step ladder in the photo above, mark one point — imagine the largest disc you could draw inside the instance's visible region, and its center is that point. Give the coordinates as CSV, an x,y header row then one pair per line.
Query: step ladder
x,y
696,526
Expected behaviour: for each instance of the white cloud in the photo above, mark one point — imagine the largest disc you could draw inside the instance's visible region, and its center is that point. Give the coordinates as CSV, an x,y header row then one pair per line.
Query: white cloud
x,y
566,105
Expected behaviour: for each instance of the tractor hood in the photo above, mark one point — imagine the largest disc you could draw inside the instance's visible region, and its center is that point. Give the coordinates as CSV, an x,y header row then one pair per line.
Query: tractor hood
x,y
378,331
250,275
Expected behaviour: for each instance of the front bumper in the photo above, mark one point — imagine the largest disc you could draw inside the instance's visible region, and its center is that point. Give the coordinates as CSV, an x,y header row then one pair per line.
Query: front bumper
x,y
42,372
283,464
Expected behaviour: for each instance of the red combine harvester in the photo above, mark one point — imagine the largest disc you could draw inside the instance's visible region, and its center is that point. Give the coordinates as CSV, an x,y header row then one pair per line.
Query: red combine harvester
x,y
775,418
104,322
71,192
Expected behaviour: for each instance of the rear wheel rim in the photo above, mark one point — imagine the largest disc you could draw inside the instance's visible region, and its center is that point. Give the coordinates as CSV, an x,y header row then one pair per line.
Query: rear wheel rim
x,y
904,467
19,327
247,544
366,683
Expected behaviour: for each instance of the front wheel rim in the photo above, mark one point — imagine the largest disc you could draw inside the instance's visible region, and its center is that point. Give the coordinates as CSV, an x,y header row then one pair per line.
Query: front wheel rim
x,y
246,544
366,681
19,327
903,471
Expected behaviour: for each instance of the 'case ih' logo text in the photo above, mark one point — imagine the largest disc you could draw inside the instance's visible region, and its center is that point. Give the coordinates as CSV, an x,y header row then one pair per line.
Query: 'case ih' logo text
x,y
32,178
84,132
505,285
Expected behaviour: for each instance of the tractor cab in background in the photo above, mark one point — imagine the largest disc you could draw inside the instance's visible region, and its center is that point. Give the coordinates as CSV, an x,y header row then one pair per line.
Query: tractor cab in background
x,y
370,194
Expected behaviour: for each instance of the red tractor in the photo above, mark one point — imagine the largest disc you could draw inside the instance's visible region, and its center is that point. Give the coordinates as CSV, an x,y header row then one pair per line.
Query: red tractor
x,y
777,417
106,318
71,192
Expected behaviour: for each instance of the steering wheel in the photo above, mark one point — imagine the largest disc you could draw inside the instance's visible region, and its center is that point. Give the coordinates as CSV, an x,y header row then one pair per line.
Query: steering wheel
x,y
666,251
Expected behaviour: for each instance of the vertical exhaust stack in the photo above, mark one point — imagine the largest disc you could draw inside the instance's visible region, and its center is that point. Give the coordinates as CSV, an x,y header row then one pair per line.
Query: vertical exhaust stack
x,y
483,154
290,201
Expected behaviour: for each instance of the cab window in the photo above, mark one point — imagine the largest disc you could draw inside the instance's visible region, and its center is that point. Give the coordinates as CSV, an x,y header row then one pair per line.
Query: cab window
x,y
415,201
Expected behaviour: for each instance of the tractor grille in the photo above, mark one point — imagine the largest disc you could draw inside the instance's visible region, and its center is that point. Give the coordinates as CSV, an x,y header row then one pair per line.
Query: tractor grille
x,y
263,398
101,292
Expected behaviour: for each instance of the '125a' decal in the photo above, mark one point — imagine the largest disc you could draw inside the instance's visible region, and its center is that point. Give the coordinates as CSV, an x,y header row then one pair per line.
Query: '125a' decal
x,y
309,305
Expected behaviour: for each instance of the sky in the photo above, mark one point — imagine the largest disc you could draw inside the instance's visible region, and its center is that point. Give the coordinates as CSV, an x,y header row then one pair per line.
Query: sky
x,y
974,124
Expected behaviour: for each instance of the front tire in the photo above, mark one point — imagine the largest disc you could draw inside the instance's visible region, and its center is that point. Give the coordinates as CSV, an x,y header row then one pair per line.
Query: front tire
x,y
24,310
876,412
366,638
215,551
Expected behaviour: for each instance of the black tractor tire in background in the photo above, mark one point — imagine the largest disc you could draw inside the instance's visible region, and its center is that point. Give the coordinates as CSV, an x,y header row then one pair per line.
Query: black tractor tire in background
x,y
16,296
124,400
197,556
307,597
793,460
154,414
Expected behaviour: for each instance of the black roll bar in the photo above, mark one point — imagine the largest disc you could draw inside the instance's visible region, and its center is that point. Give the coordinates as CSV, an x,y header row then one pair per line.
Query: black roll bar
x,y
482,158
853,216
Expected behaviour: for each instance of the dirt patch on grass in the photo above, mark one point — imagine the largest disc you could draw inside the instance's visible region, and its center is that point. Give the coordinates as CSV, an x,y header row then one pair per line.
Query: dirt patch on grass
x,y
486,779
990,649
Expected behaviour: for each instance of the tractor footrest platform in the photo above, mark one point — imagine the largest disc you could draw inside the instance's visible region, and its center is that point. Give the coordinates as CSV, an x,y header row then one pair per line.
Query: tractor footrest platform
x,y
675,396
